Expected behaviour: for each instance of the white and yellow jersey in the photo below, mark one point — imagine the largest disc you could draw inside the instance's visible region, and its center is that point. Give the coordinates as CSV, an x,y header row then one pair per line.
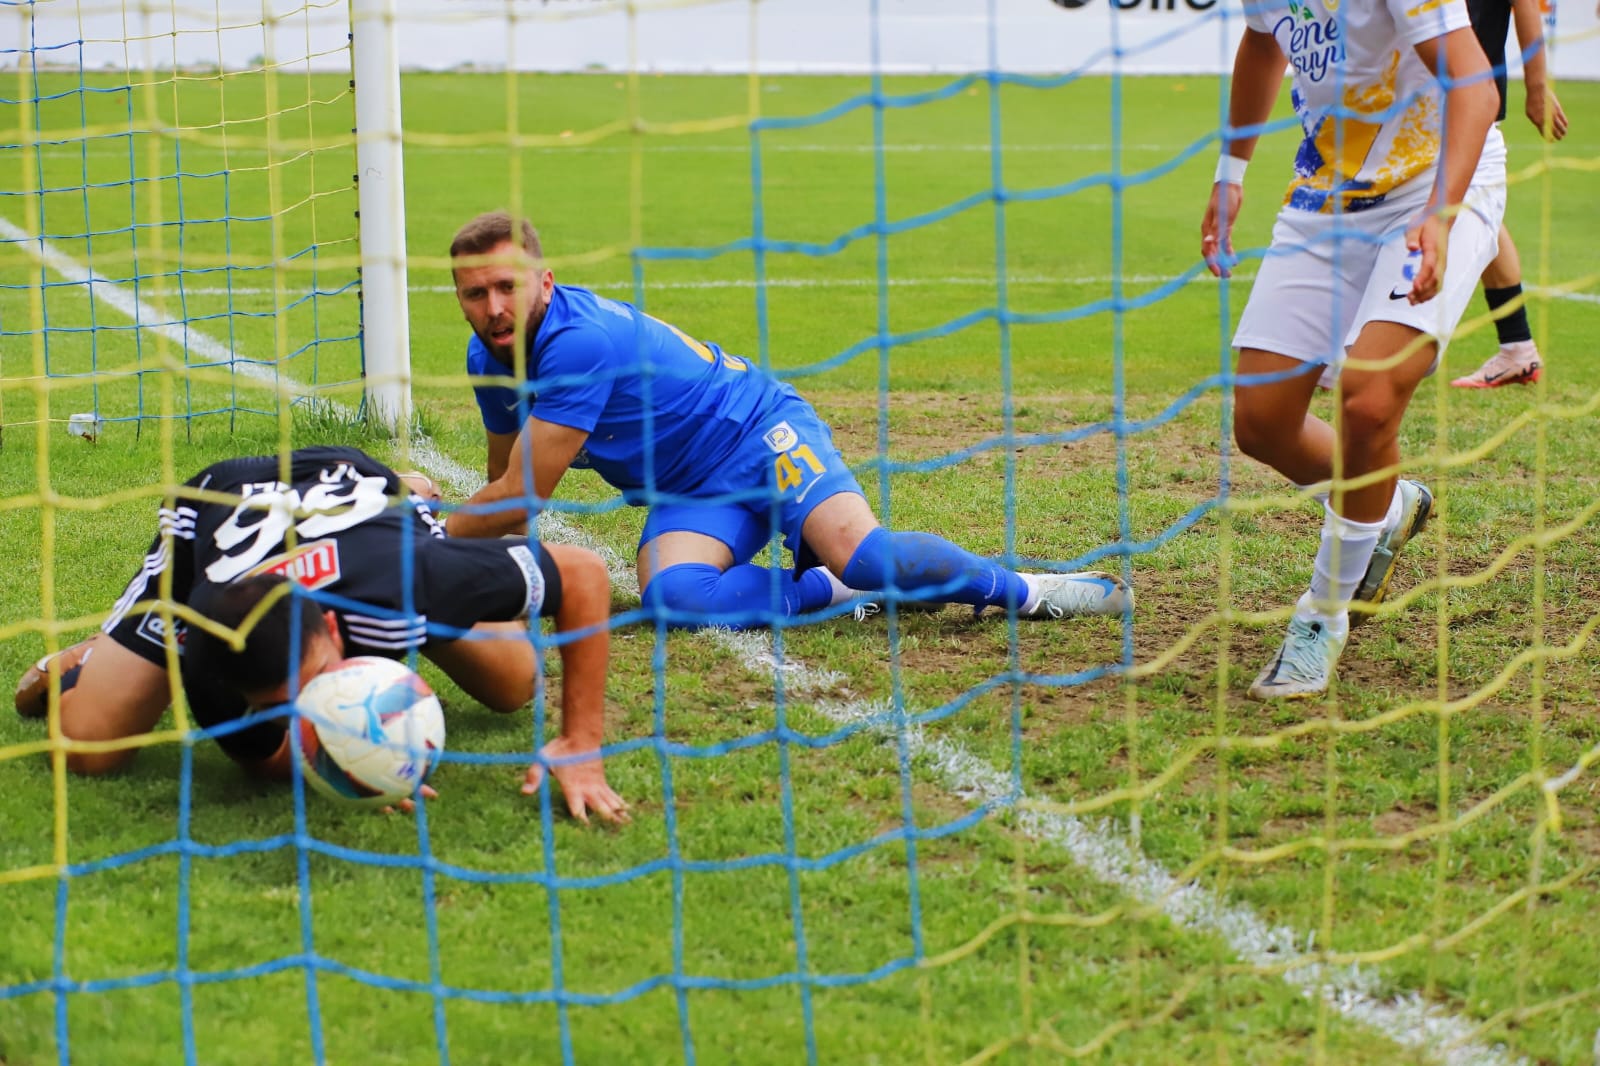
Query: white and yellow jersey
x,y
1371,110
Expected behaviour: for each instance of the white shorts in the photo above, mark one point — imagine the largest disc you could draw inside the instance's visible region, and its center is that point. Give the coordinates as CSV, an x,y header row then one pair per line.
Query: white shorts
x,y
1326,276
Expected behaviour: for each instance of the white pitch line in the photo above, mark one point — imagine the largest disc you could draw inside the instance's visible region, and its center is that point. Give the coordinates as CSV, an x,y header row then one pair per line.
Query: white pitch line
x,y
441,467
749,283
1407,1020
1114,860
1239,278
59,151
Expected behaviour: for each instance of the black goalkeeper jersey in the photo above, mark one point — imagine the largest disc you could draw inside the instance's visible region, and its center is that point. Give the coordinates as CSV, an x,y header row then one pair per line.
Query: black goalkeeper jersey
x,y
342,525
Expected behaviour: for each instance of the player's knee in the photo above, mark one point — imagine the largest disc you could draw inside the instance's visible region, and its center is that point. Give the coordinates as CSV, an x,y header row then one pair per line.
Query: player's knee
x,y
1370,414
93,764
509,699
687,592
584,575
88,763
1255,432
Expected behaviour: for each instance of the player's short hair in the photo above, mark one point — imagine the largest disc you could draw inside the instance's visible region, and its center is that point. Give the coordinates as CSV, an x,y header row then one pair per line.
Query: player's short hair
x,y
480,236
264,662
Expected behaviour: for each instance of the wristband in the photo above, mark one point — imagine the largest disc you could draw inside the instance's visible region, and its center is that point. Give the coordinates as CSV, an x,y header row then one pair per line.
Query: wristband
x,y
1230,168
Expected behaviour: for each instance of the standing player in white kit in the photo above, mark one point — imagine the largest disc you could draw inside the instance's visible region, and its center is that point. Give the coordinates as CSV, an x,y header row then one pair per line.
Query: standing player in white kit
x,y
1390,219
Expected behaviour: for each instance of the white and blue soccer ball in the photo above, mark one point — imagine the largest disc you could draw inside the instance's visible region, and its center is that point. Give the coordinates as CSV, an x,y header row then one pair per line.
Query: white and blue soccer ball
x,y
370,731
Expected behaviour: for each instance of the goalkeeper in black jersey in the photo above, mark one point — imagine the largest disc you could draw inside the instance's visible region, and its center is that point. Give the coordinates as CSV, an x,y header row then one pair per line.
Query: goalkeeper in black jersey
x,y
372,574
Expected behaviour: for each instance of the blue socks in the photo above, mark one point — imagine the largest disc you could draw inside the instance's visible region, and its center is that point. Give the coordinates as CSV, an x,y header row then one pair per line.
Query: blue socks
x,y
742,597
927,567
919,566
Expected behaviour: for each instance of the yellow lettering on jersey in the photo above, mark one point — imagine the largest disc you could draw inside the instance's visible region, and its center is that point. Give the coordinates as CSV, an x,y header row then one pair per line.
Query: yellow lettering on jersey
x,y
788,473
700,349
809,457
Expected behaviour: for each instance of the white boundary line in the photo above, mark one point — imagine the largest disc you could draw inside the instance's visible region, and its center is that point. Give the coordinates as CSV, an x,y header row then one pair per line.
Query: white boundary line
x,y
446,470
773,145
1108,854
1098,847
977,280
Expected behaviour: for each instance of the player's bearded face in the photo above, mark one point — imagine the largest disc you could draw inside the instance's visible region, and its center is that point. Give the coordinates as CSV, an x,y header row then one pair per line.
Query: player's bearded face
x,y
498,296
498,329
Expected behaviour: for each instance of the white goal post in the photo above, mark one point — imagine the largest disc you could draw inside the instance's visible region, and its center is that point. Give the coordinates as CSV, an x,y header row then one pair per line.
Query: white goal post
x,y
381,192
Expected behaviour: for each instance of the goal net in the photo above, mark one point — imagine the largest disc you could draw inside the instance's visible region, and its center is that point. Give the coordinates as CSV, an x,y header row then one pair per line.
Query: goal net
x,y
966,232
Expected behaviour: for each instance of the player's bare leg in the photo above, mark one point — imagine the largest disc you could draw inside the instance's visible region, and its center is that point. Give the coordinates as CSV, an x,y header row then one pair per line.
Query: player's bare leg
x,y
1374,403
1272,422
494,664
116,694
1364,527
678,547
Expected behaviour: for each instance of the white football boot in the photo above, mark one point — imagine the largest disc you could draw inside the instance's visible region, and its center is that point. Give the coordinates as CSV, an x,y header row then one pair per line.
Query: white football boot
x,y
1303,667
1090,592
1416,504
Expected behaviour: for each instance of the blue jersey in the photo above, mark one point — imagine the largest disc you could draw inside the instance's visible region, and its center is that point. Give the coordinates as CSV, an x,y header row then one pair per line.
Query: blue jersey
x,y
602,366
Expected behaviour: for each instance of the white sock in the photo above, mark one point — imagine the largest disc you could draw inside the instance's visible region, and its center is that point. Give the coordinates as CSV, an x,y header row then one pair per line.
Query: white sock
x,y
841,592
1342,560
1396,505
1032,604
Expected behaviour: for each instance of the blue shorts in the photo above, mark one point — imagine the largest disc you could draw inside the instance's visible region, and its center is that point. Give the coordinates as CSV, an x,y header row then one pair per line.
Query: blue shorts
x,y
792,455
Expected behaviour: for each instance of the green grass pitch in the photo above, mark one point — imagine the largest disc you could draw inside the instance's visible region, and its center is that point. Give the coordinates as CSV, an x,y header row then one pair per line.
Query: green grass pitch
x,y
1416,843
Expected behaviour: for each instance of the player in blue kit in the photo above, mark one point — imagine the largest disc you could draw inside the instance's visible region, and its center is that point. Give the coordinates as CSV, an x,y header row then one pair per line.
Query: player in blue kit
x,y
722,453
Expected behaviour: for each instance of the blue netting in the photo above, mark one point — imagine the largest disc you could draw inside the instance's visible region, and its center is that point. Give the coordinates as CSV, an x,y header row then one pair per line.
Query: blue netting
x,y
247,273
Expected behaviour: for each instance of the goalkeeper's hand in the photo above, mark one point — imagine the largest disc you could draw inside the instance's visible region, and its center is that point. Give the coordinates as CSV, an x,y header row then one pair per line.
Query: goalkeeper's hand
x,y
582,777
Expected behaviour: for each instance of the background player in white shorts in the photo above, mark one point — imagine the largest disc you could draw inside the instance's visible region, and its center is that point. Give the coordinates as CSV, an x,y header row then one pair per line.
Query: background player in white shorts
x,y
1398,192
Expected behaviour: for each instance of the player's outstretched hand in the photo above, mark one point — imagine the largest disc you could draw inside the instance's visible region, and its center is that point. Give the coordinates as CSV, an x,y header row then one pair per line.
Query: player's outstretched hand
x,y
1544,111
1216,229
582,781
407,806
1429,235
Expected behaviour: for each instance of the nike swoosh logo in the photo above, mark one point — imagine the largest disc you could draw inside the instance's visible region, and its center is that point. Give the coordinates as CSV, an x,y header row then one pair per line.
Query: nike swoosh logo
x,y
1398,295
802,497
1489,379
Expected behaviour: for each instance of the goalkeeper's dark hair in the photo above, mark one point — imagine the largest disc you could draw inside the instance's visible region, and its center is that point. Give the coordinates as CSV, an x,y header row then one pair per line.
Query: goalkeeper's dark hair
x,y
482,234
264,662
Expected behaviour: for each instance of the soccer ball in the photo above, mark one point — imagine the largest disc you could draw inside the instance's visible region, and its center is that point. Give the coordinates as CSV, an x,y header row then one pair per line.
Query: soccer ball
x,y
371,731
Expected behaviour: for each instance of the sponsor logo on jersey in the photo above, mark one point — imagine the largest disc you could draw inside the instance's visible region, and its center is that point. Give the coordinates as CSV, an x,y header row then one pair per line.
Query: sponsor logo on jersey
x,y
313,565
1313,45
153,627
781,437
